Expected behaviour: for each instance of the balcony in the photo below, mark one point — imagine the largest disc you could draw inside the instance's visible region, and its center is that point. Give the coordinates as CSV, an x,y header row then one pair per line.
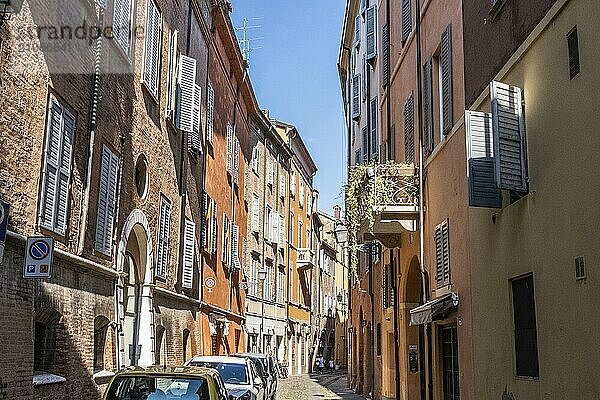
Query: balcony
x,y
382,200
305,259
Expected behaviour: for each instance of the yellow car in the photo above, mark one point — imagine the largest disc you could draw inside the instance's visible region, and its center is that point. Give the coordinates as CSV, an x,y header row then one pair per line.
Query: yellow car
x,y
166,383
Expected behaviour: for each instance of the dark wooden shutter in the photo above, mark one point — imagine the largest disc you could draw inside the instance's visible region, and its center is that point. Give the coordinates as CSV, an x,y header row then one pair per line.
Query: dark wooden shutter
x,y
385,64
409,130
573,43
526,350
428,108
483,191
374,130
365,144
446,70
371,34
509,136
356,96
442,254
406,20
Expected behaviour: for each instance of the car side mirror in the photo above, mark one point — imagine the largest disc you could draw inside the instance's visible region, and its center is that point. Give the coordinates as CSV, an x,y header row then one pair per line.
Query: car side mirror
x,y
258,382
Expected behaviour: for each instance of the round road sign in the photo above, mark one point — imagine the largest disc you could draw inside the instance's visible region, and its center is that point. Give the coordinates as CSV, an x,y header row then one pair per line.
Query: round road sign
x,y
39,250
210,283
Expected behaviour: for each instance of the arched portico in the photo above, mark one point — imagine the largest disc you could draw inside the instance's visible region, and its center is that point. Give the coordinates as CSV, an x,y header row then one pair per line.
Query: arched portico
x,y
134,294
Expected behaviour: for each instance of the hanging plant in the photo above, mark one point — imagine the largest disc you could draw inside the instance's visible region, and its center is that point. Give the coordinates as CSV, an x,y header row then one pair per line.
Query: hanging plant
x,y
370,188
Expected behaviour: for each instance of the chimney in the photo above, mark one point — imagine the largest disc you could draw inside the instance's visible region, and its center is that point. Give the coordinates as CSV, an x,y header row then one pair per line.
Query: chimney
x,y
337,211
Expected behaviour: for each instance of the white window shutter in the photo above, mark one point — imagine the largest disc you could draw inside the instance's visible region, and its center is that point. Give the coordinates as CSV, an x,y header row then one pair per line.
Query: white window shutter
x,y
187,93
164,226
282,185
210,112
205,220
255,213
509,136
214,228
152,48
281,231
371,33
357,29
301,200
173,74
274,228
229,148
225,240
270,170
235,242
356,96
122,23
189,239
106,201
236,161
195,141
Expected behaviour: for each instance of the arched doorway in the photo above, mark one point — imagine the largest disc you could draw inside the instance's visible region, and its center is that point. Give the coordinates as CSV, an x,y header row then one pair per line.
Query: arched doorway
x,y
134,262
412,351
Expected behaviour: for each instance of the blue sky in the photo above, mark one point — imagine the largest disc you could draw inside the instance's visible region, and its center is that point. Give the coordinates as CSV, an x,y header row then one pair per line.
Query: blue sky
x,y
295,76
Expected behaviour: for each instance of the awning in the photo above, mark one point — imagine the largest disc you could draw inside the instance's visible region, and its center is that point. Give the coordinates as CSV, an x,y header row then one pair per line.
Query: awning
x,y
433,309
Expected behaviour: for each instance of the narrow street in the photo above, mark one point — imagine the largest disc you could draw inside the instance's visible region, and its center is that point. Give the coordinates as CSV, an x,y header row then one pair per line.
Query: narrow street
x,y
313,386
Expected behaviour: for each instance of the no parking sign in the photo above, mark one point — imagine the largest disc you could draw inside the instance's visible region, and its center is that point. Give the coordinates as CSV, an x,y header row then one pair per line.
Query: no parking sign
x,y
38,257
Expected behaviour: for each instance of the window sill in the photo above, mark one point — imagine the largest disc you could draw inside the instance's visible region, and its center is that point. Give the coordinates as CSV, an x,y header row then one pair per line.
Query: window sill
x,y
44,378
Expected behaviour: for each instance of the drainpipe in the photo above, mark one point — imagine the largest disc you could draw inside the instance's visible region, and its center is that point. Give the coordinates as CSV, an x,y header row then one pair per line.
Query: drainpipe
x,y
90,163
394,264
389,84
371,248
264,206
424,274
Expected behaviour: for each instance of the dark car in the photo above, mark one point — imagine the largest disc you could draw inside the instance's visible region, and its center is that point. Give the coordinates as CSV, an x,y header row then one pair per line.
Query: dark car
x,y
267,369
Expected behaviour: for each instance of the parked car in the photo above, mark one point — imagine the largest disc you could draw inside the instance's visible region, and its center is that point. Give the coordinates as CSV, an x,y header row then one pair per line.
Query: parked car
x,y
266,368
239,374
166,383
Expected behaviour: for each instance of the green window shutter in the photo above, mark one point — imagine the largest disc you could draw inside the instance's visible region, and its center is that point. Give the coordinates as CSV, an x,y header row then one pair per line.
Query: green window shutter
x,y
164,233
106,201
446,70
374,130
483,191
356,96
406,20
187,93
210,112
509,136
385,64
187,275
409,130
371,33
442,254
428,108
122,23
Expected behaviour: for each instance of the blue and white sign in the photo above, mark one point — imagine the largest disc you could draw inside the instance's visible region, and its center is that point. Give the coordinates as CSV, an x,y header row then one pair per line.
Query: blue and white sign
x,y
4,207
38,257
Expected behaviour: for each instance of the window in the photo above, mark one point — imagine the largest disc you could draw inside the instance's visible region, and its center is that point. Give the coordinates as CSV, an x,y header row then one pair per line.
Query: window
x,y
45,332
378,339
255,219
280,286
357,23
406,20
270,173
356,96
235,244
189,240
173,75
107,194
442,254
236,161
159,344
229,148
268,222
409,130
186,339
56,174
573,44
101,325
281,231
450,370
299,234
210,113
371,34
307,237
385,59
225,240
291,228
254,266
141,176
268,283
122,23
293,183
526,352
152,48
164,233
256,161
301,192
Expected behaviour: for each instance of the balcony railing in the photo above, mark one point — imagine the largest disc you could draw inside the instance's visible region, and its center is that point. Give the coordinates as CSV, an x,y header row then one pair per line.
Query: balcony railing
x,y
396,192
305,259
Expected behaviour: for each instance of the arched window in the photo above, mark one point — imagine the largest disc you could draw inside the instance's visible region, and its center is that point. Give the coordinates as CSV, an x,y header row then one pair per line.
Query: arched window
x,y
45,329
160,337
101,324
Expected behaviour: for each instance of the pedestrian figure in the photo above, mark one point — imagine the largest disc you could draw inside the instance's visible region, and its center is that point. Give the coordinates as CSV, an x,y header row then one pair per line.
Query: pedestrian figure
x,y
321,363
331,364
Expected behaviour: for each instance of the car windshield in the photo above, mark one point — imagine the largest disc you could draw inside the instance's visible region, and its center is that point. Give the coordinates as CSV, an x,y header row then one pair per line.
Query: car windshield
x,y
231,373
157,388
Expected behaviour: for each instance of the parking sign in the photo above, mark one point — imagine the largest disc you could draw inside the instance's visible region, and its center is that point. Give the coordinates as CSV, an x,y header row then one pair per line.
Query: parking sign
x,y
38,257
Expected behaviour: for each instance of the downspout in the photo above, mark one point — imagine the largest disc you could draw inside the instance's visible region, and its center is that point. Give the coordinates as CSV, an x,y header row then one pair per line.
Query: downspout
x,y
389,84
424,274
264,207
372,298
394,264
95,100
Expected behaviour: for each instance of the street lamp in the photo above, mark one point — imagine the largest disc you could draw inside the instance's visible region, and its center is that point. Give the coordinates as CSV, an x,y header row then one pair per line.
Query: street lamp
x,y
262,276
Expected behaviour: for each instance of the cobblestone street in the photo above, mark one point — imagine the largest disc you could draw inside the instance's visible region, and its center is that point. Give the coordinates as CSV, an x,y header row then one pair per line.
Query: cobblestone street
x,y
326,386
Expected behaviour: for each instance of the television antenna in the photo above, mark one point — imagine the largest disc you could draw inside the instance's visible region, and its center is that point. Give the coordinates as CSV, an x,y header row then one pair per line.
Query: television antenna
x,y
246,42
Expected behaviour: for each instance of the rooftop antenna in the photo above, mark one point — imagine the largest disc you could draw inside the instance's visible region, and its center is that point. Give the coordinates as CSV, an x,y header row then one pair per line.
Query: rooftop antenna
x,y
246,42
